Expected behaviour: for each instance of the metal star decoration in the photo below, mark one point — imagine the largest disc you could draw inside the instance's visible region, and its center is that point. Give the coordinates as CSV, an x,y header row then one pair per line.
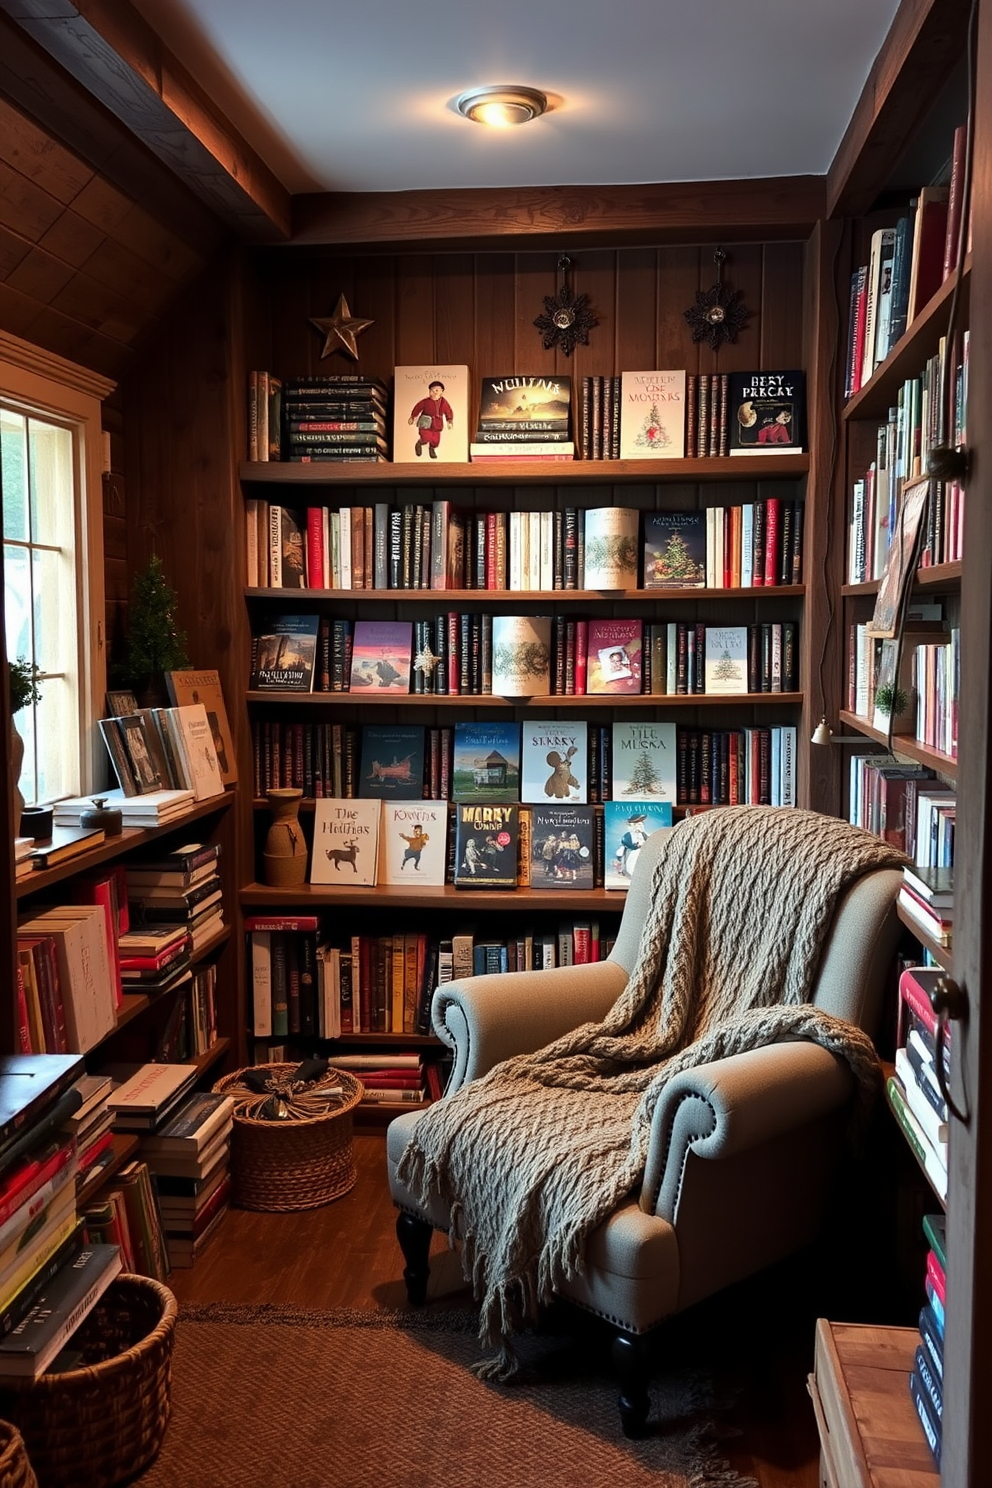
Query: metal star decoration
x,y
567,319
340,330
718,313
425,661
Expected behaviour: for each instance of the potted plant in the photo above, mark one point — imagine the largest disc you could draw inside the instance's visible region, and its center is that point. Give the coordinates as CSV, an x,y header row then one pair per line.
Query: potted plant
x,y
155,644
23,685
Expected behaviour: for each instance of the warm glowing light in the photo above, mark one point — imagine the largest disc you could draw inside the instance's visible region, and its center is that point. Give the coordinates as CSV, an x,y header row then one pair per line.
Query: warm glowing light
x,y
502,107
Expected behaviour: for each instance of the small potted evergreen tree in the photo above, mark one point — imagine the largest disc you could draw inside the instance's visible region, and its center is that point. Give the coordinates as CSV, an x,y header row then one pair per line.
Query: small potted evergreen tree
x,y
155,644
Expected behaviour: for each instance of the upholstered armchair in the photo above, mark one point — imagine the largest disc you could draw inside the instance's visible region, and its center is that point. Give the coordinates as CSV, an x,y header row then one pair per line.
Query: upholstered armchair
x,y
742,1153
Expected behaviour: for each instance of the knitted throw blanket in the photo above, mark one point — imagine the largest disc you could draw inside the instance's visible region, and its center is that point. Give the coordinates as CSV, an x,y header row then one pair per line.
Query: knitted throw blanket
x,y
532,1156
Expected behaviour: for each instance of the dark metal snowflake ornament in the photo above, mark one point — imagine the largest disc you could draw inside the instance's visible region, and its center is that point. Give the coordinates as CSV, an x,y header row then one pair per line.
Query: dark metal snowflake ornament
x,y
567,319
718,313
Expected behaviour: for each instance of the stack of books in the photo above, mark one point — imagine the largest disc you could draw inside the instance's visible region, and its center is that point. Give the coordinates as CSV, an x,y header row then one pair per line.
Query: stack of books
x,y
156,750
387,1079
914,1089
927,897
926,1383
145,1096
154,958
523,418
336,420
68,992
156,809
189,1158
91,1126
49,1279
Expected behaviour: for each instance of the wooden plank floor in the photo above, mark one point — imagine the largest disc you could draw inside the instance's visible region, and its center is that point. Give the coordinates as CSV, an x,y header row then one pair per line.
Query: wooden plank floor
x,y
345,1255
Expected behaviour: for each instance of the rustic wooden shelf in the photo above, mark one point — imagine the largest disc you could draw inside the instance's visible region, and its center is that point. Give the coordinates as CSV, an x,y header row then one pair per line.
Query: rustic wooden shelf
x,y
526,472
540,703
914,749
555,597
309,897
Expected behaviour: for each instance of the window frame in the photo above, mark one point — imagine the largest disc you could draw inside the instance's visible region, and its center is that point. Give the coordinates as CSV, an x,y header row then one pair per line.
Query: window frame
x,y
38,382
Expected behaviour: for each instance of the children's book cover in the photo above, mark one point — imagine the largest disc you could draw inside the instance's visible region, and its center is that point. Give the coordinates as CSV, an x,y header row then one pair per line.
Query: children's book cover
x,y
413,842
285,654
614,656
652,415
554,762
767,413
392,761
486,762
381,655
726,658
561,847
536,405
486,843
430,414
675,550
644,762
627,826
345,842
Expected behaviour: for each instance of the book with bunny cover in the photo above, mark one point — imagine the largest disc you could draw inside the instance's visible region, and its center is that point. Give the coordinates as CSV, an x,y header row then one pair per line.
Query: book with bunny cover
x,y
554,762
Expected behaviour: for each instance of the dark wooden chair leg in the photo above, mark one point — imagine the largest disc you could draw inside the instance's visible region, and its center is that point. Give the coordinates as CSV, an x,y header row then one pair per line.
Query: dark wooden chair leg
x,y
634,1400
414,1236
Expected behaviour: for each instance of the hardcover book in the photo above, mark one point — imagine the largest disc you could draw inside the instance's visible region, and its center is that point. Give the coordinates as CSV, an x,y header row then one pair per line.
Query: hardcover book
x,y
530,406
486,839
652,415
392,761
413,844
611,548
554,762
31,1347
726,658
382,651
204,687
287,549
345,842
767,413
614,656
286,654
561,847
139,752
675,550
194,739
521,655
430,413
486,762
644,762
627,826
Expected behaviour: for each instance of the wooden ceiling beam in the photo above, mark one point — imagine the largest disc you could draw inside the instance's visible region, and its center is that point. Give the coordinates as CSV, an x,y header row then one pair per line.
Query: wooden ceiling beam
x,y
553,216
109,48
924,44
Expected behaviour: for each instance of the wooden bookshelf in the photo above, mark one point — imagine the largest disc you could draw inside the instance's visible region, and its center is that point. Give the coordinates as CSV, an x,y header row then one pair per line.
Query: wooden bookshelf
x,y
435,597
904,744
309,897
526,472
539,703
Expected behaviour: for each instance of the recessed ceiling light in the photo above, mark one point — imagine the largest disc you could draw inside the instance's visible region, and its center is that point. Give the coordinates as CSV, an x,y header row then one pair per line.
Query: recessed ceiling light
x,y
502,106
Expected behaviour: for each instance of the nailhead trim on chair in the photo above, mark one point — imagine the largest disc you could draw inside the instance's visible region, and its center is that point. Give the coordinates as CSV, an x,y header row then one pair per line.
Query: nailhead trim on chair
x,y
690,1095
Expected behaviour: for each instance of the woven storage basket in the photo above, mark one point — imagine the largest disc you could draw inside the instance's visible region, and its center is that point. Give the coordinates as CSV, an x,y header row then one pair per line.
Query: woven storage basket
x,y
97,1425
297,1164
15,1469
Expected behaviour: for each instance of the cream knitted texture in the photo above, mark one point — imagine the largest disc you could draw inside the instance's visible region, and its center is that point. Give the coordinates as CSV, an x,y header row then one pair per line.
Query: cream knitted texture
x,y
532,1156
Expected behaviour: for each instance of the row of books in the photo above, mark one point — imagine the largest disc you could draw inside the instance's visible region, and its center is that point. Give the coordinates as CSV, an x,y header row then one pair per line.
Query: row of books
x,y
923,700
639,415
165,753
440,546
914,425
927,899
906,804
926,1382
305,983
915,1087
907,265
473,653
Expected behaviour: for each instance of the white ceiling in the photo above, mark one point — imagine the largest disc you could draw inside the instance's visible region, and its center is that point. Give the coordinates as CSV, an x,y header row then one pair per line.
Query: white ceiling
x,y
357,95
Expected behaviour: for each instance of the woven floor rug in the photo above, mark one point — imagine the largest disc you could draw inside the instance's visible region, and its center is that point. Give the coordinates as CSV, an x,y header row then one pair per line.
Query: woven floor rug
x,y
346,1399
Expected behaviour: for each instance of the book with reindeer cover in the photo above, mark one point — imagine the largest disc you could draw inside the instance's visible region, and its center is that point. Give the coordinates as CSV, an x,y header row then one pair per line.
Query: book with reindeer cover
x,y
345,842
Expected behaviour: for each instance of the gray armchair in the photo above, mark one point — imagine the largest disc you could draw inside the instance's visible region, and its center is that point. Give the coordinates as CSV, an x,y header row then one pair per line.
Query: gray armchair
x,y
743,1151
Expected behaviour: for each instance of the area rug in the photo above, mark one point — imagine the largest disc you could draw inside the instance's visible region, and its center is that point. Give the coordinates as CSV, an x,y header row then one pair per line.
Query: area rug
x,y
348,1399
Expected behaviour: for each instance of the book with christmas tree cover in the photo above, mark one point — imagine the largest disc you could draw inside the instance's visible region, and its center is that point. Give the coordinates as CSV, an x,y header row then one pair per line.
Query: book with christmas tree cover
x,y
381,654
627,825
486,841
392,761
675,550
486,762
726,658
561,847
652,415
767,413
644,762
285,654
413,842
554,763
614,656
345,842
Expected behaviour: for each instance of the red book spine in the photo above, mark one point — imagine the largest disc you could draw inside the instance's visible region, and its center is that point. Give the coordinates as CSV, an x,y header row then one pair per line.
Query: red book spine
x,y
581,655
454,659
582,944
315,547
935,1275
917,1000
365,998
570,687
764,767
492,576
23,1026
26,1179
772,518
281,922
735,799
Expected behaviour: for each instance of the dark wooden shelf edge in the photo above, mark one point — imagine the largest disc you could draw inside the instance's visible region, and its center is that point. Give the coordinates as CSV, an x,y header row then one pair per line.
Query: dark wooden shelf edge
x,y
423,897
923,754
939,576
941,954
522,596
526,472
211,1056
115,847
542,701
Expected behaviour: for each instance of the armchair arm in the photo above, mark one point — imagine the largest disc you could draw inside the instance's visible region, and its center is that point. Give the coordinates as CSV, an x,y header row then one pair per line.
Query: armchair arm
x,y
724,1108
486,1019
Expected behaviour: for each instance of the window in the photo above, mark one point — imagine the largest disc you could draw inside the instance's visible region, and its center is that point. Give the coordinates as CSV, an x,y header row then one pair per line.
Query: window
x,y
50,443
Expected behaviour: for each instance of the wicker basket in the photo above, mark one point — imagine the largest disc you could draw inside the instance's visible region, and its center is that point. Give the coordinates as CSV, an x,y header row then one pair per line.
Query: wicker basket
x,y
97,1425
297,1164
15,1469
